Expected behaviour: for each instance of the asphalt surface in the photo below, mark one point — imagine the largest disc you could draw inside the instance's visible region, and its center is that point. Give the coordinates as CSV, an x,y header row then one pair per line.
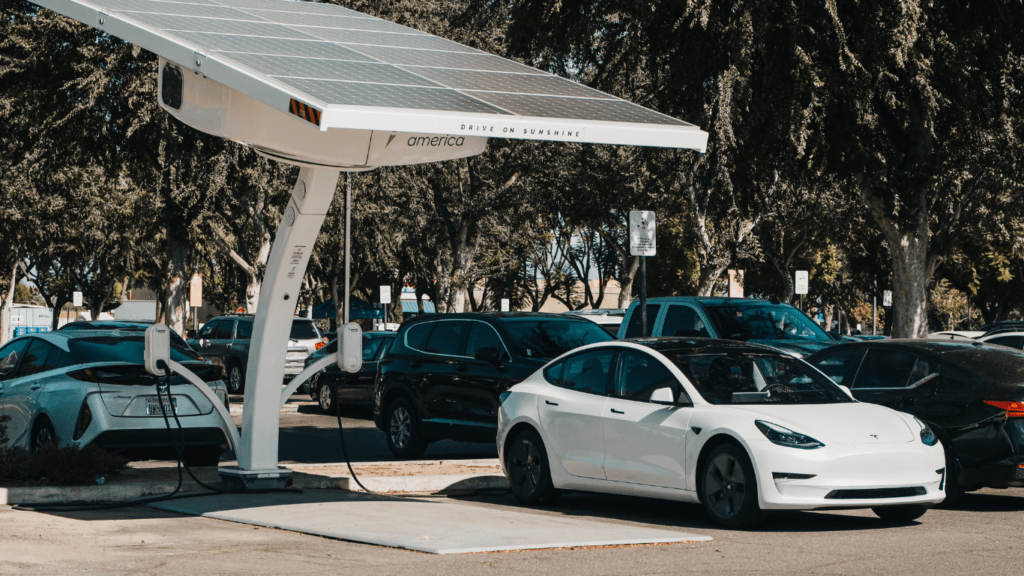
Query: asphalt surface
x,y
311,437
982,536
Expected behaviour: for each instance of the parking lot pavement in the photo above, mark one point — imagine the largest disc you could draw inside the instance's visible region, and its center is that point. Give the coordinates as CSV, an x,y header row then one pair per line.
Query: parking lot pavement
x,y
983,537
309,436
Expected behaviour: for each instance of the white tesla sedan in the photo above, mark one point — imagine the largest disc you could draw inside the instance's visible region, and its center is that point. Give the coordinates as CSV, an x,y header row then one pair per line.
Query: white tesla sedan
x,y
81,387
737,427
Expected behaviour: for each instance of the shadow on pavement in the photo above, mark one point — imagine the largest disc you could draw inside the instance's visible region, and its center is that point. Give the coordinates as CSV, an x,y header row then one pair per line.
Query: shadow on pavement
x,y
687,516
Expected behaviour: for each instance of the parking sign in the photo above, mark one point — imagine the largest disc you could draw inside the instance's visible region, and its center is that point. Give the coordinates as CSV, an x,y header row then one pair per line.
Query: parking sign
x,y
801,282
642,241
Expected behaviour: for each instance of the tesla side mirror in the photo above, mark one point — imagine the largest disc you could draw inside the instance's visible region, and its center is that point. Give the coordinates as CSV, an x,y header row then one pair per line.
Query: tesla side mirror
x,y
663,396
488,354
845,389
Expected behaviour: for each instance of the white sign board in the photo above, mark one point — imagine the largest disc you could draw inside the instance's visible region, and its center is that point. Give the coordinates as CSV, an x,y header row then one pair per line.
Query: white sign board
x,y
801,282
76,298
385,294
505,304
887,298
642,240
195,291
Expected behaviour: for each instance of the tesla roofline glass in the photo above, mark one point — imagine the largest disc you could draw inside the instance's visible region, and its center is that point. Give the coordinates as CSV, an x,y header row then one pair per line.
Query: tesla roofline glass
x,y
785,437
927,436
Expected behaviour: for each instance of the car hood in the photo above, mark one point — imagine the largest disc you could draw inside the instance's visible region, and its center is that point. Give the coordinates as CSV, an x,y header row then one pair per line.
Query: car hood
x,y
848,423
798,348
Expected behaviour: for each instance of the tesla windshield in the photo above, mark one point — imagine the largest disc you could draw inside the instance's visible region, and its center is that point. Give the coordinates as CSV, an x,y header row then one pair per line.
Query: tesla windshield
x,y
752,378
121,349
549,338
764,322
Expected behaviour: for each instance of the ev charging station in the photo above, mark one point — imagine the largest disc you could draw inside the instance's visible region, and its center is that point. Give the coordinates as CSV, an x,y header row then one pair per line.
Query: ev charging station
x,y
332,90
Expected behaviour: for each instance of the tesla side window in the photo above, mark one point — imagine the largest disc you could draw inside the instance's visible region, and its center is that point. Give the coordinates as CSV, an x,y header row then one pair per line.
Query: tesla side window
x,y
449,338
587,372
416,336
633,329
641,374
482,335
34,361
244,330
9,356
764,321
885,369
922,369
208,330
841,366
540,338
370,348
303,330
682,321
225,330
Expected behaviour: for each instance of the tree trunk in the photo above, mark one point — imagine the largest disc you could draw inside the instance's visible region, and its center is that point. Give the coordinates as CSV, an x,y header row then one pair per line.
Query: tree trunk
x,y
911,272
5,308
826,314
630,265
709,275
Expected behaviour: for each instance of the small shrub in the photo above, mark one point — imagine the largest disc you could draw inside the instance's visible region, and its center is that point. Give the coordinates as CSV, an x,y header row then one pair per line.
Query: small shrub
x,y
55,466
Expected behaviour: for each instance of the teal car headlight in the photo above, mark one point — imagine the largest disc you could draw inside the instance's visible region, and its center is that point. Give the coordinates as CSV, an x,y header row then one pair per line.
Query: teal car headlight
x,y
927,435
786,437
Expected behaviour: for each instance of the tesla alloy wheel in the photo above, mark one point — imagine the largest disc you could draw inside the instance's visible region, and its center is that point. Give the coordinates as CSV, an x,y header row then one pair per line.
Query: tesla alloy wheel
x,y
43,434
728,488
236,379
403,430
529,474
326,399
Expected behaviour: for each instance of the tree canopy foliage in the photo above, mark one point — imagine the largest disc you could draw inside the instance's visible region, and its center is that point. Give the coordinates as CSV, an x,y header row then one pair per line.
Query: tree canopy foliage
x,y
876,144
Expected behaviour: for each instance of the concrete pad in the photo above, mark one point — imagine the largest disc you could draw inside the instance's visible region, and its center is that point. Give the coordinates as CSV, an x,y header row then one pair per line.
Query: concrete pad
x,y
432,526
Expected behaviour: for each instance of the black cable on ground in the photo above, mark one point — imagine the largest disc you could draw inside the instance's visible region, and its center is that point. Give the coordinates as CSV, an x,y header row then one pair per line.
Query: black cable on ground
x,y
344,449
179,448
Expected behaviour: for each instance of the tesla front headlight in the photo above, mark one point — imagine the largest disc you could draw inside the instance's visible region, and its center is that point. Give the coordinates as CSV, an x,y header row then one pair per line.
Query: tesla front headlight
x,y
786,437
927,436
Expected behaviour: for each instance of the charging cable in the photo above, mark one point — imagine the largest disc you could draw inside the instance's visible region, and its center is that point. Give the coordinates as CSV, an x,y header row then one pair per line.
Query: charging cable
x,y
179,448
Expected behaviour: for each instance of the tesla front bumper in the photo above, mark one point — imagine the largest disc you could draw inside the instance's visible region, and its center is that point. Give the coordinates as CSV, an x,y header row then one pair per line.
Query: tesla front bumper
x,y
849,476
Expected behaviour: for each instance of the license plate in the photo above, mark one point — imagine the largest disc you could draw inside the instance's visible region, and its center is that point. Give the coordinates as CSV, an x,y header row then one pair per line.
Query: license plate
x,y
153,407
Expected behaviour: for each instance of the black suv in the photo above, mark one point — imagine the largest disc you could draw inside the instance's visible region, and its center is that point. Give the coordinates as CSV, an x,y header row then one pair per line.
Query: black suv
x,y
443,374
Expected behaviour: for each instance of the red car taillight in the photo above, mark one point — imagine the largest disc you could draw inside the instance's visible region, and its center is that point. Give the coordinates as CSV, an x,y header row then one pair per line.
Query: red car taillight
x,y
320,345
84,419
1013,409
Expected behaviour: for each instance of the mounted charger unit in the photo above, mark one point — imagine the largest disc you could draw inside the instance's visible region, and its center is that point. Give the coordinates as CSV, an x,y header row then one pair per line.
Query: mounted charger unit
x,y
350,353
158,349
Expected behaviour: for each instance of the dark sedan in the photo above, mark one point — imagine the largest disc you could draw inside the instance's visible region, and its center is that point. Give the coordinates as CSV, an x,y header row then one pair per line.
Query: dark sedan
x,y
971,394
331,386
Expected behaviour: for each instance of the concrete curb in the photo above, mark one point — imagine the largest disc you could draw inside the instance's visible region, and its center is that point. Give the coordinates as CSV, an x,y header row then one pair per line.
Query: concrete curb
x,y
236,409
436,483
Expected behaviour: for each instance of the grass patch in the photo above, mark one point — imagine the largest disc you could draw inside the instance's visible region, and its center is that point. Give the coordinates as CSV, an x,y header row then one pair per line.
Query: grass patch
x,y
53,466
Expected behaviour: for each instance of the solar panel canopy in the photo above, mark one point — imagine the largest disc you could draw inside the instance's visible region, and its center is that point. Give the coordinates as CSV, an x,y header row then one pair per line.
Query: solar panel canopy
x,y
327,68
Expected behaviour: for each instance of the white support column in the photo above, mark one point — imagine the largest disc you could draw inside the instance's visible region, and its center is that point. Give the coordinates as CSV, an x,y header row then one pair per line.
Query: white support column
x,y
300,226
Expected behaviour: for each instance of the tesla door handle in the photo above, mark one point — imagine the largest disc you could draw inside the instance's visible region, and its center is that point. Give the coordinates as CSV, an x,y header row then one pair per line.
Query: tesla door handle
x,y
548,402
35,387
614,411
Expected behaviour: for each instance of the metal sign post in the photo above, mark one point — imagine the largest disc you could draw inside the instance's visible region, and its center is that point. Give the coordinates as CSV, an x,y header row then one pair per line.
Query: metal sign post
x,y
642,243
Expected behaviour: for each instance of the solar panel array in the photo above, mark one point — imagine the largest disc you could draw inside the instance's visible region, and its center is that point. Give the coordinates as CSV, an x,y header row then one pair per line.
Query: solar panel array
x,y
338,56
